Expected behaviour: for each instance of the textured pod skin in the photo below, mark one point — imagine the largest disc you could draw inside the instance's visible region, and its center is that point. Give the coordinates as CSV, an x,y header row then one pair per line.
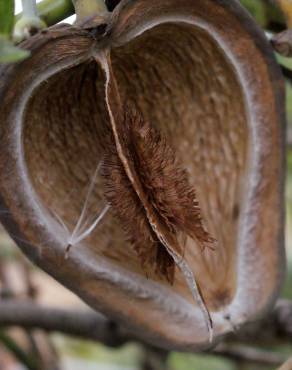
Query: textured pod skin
x,y
204,74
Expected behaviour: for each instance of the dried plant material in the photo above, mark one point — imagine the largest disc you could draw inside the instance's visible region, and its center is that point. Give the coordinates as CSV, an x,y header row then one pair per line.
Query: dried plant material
x,y
53,116
127,207
166,187
169,210
84,227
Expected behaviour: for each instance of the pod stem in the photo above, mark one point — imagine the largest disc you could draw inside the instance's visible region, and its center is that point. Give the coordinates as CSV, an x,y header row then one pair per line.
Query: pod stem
x,y
29,8
29,22
52,11
88,8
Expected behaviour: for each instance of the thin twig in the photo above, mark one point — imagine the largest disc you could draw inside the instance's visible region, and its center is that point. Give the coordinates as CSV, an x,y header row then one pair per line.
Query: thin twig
x,y
84,324
90,325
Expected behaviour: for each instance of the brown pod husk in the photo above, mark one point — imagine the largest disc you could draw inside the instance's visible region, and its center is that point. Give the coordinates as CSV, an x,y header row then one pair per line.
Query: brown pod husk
x,y
202,74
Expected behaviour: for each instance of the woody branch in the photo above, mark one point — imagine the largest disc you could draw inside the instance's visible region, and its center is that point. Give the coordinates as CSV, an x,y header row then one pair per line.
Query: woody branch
x,y
89,325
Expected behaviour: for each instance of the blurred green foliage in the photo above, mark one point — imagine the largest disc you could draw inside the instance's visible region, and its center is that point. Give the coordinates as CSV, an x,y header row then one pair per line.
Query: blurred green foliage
x,y
7,17
257,9
53,11
264,12
8,52
180,361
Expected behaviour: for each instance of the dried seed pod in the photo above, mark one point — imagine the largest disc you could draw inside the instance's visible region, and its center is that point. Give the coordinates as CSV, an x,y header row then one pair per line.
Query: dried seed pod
x,y
203,77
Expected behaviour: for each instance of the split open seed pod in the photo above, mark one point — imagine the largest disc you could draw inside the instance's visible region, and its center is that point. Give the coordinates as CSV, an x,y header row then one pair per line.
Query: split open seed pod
x,y
161,124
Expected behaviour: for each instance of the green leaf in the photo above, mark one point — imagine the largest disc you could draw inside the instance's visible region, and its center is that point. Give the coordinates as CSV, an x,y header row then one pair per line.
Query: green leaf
x,y
10,53
6,17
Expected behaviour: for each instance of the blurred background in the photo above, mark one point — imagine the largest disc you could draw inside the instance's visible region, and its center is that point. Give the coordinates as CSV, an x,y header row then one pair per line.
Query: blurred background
x,y
36,350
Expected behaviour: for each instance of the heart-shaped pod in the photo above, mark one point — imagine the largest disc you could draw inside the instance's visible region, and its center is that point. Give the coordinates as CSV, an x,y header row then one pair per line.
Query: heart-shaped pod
x,y
202,73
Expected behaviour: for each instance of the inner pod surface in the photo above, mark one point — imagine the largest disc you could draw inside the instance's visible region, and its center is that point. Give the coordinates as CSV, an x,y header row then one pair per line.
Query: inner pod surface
x,y
193,98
